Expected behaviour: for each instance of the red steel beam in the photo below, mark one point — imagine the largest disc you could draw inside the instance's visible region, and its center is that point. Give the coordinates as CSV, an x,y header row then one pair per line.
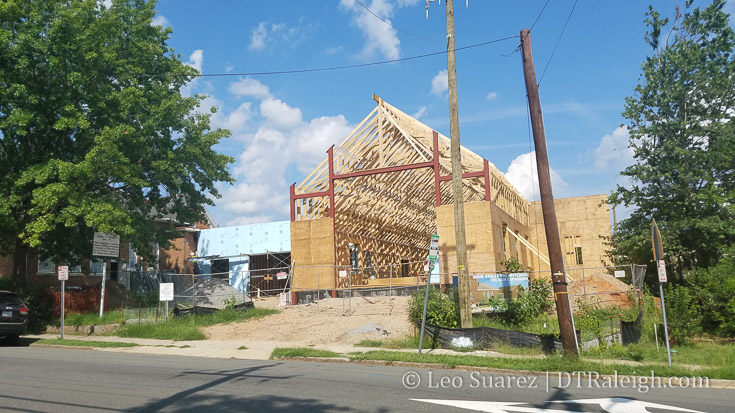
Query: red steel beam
x,y
464,175
387,169
311,195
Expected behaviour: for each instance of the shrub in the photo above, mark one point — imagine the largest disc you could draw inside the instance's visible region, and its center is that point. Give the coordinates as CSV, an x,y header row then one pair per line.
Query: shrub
x,y
712,291
530,303
682,316
442,309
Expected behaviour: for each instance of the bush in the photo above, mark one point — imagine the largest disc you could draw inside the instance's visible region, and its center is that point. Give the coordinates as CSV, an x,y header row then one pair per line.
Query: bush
x,y
442,309
530,303
712,291
682,316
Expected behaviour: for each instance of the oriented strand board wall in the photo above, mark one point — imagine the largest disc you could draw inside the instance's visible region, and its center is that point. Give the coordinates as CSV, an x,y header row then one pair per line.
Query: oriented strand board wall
x,y
586,217
312,246
513,248
478,230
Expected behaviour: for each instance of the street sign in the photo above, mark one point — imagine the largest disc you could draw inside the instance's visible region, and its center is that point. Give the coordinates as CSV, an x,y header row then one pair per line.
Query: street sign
x,y
106,245
661,271
434,247
63,272
166,292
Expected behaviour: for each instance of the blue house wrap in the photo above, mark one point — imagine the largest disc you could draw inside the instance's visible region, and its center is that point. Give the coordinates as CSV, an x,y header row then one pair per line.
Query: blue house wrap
x,y
237,243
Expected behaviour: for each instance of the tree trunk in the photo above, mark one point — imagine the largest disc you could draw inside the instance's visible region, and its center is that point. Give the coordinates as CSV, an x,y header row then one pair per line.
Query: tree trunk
x,y
20,267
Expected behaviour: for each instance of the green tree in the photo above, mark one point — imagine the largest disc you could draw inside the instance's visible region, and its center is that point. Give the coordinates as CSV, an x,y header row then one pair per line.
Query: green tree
x,y
94,132
683,137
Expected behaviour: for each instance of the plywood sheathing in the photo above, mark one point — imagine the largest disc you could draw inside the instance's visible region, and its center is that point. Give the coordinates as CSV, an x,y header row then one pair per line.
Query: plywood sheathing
x,y
312,250
586,217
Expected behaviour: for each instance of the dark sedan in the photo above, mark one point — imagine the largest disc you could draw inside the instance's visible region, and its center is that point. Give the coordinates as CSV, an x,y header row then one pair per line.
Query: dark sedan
x,y
13,316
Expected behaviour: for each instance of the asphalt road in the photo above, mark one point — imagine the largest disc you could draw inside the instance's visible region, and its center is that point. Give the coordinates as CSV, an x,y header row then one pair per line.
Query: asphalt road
x,y
68,380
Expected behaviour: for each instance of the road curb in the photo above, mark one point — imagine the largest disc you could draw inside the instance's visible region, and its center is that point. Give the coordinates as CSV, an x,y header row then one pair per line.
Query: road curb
x,y
62,346
713,383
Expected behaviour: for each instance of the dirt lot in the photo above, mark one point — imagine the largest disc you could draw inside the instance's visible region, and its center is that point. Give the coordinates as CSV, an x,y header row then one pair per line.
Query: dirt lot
x,y
332,320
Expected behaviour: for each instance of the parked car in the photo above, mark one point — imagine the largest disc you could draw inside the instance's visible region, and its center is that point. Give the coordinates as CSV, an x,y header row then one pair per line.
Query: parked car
x,y
13,316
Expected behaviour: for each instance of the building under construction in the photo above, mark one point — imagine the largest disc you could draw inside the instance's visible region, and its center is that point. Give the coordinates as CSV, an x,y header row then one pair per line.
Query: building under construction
x,y
379,196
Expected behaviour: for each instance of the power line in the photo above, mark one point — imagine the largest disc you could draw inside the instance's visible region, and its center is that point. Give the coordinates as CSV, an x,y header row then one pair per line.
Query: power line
x,y
389,23
539,15
529,30
325,69
557,42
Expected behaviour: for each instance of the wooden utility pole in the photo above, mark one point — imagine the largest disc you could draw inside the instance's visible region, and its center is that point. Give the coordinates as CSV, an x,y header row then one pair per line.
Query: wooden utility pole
x,y
556,259
458,194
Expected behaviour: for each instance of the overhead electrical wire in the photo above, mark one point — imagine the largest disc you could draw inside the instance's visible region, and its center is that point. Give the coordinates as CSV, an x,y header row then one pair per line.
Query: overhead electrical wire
x,y
389,23
557,42
538,17
330,68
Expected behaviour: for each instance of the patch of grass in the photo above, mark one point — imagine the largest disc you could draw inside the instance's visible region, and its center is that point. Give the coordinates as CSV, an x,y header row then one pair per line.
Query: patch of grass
x,y
91,319
242,348
303,352
405,342
505,348
81,343
370,343
549,363
188,328
704,354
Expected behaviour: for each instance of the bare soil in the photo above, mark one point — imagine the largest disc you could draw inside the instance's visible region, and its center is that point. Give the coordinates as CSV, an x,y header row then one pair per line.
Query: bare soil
x,y
332,320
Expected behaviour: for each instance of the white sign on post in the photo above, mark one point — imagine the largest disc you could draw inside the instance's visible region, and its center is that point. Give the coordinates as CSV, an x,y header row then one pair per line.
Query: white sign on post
x,y
106,245
166,292
619,273
661,271
434,247
63,272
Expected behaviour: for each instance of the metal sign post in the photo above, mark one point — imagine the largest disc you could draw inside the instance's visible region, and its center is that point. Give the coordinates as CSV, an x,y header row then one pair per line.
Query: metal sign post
x,y
63,276
426,303
105,245
166,293
658,253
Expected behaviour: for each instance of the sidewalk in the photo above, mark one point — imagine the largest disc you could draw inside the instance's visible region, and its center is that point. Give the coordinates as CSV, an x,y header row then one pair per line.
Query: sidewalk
x,y
255,350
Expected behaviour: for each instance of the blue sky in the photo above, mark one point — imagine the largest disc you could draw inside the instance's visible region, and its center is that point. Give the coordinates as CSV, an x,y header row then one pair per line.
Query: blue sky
x,y
283,124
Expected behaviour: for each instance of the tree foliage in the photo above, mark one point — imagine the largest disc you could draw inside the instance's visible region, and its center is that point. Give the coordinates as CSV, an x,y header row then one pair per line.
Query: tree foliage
x,y
683,137
94,132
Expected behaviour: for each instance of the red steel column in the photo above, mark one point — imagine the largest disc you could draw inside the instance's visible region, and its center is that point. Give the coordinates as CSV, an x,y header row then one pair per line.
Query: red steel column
x,y
486,171
437,186
291,202
330,154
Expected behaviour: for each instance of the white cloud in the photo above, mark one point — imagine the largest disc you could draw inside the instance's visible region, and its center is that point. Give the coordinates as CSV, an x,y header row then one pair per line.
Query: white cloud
x,y
261,193
613,150
421,112
440,83
107,3
380,38
523,174
257,39
160,20
492,95
229,67
267,35
280,114
311,142
196,59
249,87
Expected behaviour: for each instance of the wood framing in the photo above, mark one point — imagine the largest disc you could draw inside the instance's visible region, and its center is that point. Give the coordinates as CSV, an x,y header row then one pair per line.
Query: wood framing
x,y
380,188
